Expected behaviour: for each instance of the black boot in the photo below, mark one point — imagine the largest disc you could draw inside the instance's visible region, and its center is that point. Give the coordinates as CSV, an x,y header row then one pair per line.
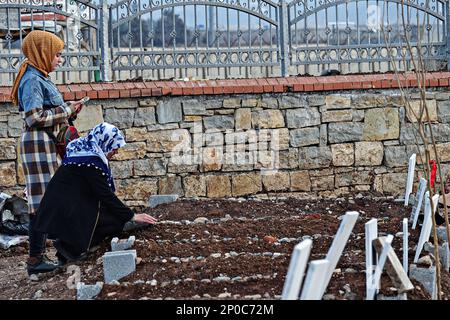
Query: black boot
x,y
40,265
62,261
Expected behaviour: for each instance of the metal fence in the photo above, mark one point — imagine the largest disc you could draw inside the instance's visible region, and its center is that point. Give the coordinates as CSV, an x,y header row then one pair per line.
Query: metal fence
x,y
164,39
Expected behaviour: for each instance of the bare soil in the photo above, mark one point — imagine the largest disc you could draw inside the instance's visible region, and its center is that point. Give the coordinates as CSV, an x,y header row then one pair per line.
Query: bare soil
x,y
241,252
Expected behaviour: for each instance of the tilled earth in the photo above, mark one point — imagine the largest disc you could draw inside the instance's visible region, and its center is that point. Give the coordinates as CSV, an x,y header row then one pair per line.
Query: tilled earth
x,y
236,249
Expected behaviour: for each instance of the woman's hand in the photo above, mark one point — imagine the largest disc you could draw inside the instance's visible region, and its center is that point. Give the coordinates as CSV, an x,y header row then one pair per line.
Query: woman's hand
x,y
75,106
144,218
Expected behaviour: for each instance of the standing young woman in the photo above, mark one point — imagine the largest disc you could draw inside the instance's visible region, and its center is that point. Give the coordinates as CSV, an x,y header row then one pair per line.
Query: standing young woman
x,y
44,111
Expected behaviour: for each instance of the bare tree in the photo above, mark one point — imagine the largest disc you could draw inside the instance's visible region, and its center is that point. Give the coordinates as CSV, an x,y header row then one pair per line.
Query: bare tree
x,y
424,136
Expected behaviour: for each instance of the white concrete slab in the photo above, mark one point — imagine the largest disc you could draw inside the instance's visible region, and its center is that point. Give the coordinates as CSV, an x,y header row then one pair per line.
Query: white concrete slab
x,y
427,224
371,228
339,242
296,270
315,280
419,201
410,178
375,285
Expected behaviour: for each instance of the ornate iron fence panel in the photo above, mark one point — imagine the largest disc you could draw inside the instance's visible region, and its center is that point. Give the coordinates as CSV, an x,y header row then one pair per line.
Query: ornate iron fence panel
x,y
162,39
365,36
75,21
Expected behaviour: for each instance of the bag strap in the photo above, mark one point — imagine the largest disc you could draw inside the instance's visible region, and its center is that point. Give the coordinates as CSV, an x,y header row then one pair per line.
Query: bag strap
x,y
52,136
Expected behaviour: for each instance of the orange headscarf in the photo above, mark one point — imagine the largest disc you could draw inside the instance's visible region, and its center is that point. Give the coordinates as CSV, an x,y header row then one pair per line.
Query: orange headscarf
x,y
39,48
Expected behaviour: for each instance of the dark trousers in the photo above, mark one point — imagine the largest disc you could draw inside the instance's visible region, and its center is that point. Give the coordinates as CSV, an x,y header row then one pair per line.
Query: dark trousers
x,y
107,226
36,239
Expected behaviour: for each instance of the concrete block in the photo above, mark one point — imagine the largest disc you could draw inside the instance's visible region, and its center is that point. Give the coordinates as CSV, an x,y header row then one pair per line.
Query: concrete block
x,y
122,244
88,292
426,276
442,234
160,199
443,253
401,296
118,264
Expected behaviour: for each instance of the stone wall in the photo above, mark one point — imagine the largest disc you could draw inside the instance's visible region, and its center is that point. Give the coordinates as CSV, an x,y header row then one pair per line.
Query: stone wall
x,y
311,144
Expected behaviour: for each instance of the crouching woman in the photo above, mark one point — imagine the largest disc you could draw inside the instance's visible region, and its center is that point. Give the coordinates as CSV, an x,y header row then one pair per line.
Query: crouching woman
x,y
79,208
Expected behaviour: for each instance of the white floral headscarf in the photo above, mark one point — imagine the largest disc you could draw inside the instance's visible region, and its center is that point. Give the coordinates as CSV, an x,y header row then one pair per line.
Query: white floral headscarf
x,y
100,141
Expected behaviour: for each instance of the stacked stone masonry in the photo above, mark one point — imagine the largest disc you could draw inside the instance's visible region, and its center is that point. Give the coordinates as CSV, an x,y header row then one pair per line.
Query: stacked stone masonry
x,y
325,143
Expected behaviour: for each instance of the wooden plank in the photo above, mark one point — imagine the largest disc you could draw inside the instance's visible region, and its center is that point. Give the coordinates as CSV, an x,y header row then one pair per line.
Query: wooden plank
x,y
296,270
375,285
419,201
393,267
315,280
410,179
427,224
339,242
371,229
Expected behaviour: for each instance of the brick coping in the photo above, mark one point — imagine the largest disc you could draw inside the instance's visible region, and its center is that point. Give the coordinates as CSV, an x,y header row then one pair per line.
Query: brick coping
x,y
114,90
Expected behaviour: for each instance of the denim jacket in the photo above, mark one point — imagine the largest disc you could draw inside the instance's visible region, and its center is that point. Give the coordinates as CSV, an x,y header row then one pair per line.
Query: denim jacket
x,y
37,92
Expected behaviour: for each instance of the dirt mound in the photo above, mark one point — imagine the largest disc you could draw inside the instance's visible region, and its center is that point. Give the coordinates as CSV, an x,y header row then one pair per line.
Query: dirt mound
x,y
231,249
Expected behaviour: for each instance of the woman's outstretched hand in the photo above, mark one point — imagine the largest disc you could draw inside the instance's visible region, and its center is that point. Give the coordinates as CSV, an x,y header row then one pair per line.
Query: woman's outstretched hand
x,y
144,218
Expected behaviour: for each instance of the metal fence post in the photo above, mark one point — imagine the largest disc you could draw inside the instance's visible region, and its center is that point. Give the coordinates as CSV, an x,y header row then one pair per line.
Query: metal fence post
x,y
105,65
284,38
447,29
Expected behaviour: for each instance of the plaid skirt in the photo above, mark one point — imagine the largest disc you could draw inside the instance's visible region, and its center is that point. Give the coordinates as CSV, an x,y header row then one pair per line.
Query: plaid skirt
x,y
38,152
39,163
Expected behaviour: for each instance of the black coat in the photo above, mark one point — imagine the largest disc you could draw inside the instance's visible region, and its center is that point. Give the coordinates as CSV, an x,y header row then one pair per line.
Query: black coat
x,y
77,202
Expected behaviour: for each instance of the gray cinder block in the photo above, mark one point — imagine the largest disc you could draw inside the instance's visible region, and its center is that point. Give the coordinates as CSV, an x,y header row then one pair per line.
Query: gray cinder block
x,y
122,244
88,292
118,264
443,253
401,296
426,276
160,199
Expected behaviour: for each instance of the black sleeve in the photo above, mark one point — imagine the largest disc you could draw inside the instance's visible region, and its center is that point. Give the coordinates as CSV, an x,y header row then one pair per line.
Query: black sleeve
x,y
103,192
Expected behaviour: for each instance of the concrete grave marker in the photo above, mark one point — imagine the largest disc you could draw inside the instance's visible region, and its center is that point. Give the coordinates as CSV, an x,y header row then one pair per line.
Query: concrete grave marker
x,y
338,245
371,228
156,200
296,270
375,284
393,266
405,245
88,292
315,280
122,244
118,264
427,224
410,179
418,202
427,277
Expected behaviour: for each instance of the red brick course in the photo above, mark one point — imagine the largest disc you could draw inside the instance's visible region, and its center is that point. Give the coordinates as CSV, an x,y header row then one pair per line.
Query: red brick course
x,y
242,86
